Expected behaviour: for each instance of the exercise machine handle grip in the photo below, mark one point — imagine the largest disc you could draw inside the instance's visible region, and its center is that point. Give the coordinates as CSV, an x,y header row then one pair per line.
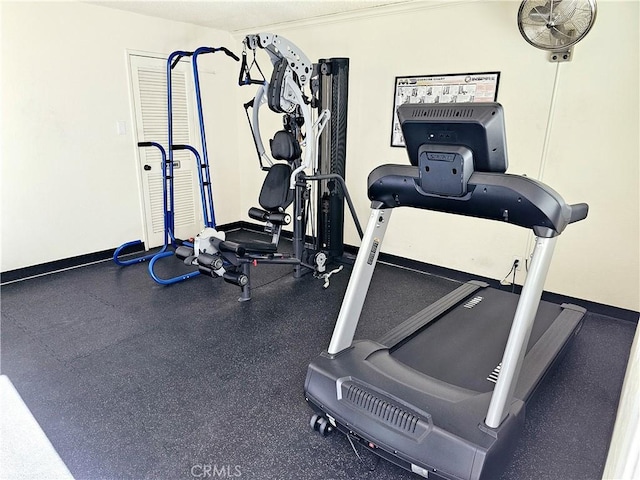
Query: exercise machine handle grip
x,y
229,53
243,69
244,77
178,57
579,212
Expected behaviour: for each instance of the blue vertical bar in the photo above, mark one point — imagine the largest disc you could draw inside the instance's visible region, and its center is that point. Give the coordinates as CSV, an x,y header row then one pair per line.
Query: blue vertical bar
x,y
167,188
207,195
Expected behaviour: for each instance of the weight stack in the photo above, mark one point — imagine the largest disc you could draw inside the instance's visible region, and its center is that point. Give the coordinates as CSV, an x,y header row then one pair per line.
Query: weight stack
x,y
333,95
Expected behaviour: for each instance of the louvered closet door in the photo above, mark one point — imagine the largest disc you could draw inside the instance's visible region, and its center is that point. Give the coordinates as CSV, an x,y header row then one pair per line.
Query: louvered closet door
x,y
148,76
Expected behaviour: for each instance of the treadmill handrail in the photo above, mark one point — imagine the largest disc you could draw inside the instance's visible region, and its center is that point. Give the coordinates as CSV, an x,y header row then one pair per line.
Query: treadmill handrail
x,y
521,326
359,281
514,199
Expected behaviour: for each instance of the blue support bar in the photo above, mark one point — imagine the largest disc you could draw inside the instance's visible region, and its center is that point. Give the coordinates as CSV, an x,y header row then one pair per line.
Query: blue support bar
x,y
172,61
205,176
168,218
207,206
133,261
168,281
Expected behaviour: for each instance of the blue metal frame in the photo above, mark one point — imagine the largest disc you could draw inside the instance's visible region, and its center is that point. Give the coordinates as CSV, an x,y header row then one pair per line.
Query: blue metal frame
x,y
204,172
168,219
207,207
167,193
204,176
167,189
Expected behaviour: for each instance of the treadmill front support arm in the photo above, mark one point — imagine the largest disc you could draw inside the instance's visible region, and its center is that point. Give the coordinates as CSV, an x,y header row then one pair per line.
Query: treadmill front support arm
x,y
520,331
359,281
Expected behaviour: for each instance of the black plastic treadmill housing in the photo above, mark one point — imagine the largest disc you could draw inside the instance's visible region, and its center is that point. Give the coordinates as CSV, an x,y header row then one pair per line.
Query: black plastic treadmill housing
x,y
421,422
513,199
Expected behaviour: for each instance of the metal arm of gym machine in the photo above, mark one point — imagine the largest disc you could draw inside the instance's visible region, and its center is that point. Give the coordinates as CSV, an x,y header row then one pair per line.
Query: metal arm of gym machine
x,y
278,48
296,76
258,100
340,180
297,62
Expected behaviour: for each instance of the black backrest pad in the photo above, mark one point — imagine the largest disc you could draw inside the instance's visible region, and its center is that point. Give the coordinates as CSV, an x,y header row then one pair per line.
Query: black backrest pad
x,y
284,146
275,193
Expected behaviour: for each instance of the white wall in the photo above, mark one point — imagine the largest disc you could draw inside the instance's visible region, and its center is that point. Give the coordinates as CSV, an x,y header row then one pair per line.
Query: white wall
x,y
592,153
68,178
623,460
69,182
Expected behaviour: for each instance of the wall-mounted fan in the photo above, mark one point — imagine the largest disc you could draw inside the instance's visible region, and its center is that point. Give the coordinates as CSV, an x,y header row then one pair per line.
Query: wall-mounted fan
x,y
556,25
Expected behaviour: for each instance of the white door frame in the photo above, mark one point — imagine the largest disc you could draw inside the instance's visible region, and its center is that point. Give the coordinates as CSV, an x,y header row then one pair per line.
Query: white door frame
x,y
188,214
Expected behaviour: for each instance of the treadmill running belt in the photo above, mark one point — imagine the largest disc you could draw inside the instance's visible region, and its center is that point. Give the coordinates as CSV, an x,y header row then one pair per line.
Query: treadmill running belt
x,y
465,345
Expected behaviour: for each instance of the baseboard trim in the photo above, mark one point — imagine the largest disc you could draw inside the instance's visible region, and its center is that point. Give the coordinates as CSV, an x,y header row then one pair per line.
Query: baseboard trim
x,y
457,275
18,274
11,276
350,250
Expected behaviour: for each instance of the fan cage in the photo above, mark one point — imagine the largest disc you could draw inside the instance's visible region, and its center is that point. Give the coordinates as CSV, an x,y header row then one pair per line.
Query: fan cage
x,y
536,24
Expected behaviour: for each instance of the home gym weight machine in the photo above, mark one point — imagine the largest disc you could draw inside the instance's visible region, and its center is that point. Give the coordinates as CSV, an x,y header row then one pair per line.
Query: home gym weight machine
x,y
168,164
443,394
296,89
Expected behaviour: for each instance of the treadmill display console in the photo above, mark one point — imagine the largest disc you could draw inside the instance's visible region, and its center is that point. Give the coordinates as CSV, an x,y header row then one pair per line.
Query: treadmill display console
x,y
476,126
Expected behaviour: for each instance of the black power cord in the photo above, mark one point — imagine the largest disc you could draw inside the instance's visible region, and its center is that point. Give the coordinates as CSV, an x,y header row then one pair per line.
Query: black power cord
x,y
514,269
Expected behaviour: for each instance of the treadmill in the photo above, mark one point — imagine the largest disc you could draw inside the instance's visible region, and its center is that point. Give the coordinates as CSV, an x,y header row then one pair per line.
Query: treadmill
x,y
443,394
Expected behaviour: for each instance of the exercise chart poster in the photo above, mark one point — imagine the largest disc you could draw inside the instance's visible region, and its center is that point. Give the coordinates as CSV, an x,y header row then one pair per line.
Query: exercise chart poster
x,y
449,88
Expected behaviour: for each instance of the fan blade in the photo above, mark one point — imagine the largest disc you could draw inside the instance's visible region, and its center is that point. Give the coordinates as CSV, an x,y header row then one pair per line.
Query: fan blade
x,y
562,34
564,10
538,36
539,14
